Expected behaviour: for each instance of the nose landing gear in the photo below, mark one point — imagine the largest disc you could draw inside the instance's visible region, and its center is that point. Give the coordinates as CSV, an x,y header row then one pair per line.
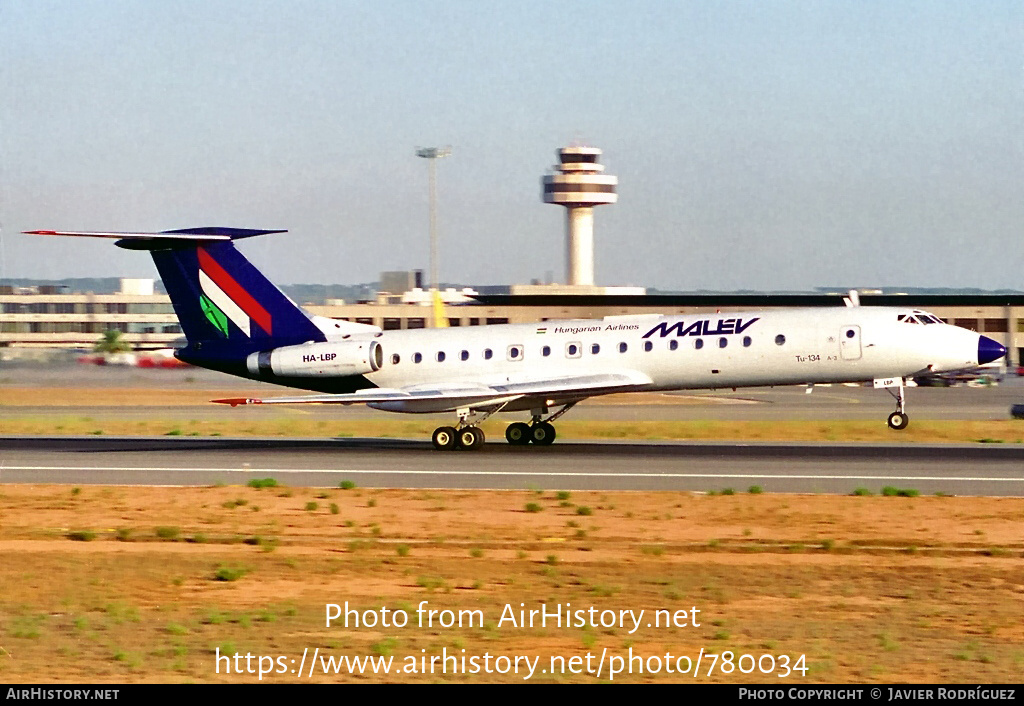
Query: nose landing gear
x,y
898,419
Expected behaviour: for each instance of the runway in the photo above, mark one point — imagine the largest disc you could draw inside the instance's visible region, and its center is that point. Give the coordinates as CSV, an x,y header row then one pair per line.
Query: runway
x,y
796,468
978,469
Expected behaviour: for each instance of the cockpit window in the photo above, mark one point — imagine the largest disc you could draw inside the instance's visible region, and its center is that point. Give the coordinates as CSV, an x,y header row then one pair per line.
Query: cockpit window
x,y
919,317
911,319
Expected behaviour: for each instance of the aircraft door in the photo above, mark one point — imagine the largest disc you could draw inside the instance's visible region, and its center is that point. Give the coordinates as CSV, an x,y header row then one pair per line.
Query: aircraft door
x,y
849,343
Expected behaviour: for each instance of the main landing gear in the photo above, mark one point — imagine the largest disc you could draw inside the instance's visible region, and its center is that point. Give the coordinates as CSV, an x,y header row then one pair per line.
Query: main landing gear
x,y
541,432
467,437
463,436
898,419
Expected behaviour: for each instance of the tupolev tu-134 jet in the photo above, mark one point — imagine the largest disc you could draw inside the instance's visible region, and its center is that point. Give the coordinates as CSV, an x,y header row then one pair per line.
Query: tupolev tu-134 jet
x,y
236,321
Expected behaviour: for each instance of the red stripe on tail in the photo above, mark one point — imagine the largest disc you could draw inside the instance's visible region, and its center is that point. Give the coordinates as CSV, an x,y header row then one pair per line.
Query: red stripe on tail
x,y
234,290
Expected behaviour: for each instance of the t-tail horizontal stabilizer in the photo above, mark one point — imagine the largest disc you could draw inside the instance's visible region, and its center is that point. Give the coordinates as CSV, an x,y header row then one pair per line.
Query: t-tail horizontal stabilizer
x,y
166,239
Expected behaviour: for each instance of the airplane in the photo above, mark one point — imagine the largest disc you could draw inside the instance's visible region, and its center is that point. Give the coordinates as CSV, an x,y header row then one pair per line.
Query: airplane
x,y
237,322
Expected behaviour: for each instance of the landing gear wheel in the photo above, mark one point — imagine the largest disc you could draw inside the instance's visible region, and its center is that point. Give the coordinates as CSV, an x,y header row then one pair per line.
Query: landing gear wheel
x,y
470,438
444,438
898,420
542,434
518,434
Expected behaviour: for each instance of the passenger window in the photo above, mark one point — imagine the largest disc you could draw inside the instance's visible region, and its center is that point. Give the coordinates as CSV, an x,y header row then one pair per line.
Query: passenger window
x,y
515,352
487,353
747,341
623,348
573,350
440,356
648,346
698,343
464,355
417,357
595,348
545,351
723,342
395,359
780,339
673,344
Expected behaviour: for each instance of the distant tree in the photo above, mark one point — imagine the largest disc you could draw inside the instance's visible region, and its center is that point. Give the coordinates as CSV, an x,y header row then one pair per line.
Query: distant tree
x,y
112,342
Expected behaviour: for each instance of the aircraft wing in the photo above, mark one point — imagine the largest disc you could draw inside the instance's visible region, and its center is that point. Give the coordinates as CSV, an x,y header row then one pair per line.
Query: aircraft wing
x,y
598,383
450,396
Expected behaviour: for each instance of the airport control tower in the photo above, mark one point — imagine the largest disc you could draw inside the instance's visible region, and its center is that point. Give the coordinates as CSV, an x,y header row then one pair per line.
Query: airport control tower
x,y
579,185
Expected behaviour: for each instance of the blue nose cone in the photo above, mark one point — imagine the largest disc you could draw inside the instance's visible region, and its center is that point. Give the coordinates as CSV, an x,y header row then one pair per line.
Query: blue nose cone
x,y
989,350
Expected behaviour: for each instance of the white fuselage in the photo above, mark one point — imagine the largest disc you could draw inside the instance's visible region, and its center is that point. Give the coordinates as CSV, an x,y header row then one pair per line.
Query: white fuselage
x,y
784,347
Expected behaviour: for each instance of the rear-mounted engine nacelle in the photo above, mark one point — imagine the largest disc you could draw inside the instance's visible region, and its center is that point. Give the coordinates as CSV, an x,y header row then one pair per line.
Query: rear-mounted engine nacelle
x,y
318,360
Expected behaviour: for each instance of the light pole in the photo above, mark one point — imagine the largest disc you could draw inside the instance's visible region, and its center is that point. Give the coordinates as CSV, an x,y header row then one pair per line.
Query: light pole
x,y
433,154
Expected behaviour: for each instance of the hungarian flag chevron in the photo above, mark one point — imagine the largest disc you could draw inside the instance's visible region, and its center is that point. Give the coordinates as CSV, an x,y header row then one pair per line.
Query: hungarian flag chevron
x,y
224,298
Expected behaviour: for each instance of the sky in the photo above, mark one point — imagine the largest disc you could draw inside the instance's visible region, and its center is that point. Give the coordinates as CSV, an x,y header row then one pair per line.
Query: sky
x,y
759,145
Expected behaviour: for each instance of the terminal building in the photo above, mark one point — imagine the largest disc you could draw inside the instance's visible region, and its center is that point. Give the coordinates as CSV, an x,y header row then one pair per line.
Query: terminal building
x,y
46,316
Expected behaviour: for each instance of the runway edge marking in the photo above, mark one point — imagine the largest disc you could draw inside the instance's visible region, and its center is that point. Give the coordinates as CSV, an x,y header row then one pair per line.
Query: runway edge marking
x,y
558,474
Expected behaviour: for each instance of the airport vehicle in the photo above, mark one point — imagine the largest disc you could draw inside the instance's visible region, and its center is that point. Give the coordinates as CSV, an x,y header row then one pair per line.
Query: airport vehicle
x,y
237,322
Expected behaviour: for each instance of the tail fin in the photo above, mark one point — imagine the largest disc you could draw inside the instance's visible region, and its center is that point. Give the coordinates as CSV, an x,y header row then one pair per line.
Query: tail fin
x,y
220,296
225,306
